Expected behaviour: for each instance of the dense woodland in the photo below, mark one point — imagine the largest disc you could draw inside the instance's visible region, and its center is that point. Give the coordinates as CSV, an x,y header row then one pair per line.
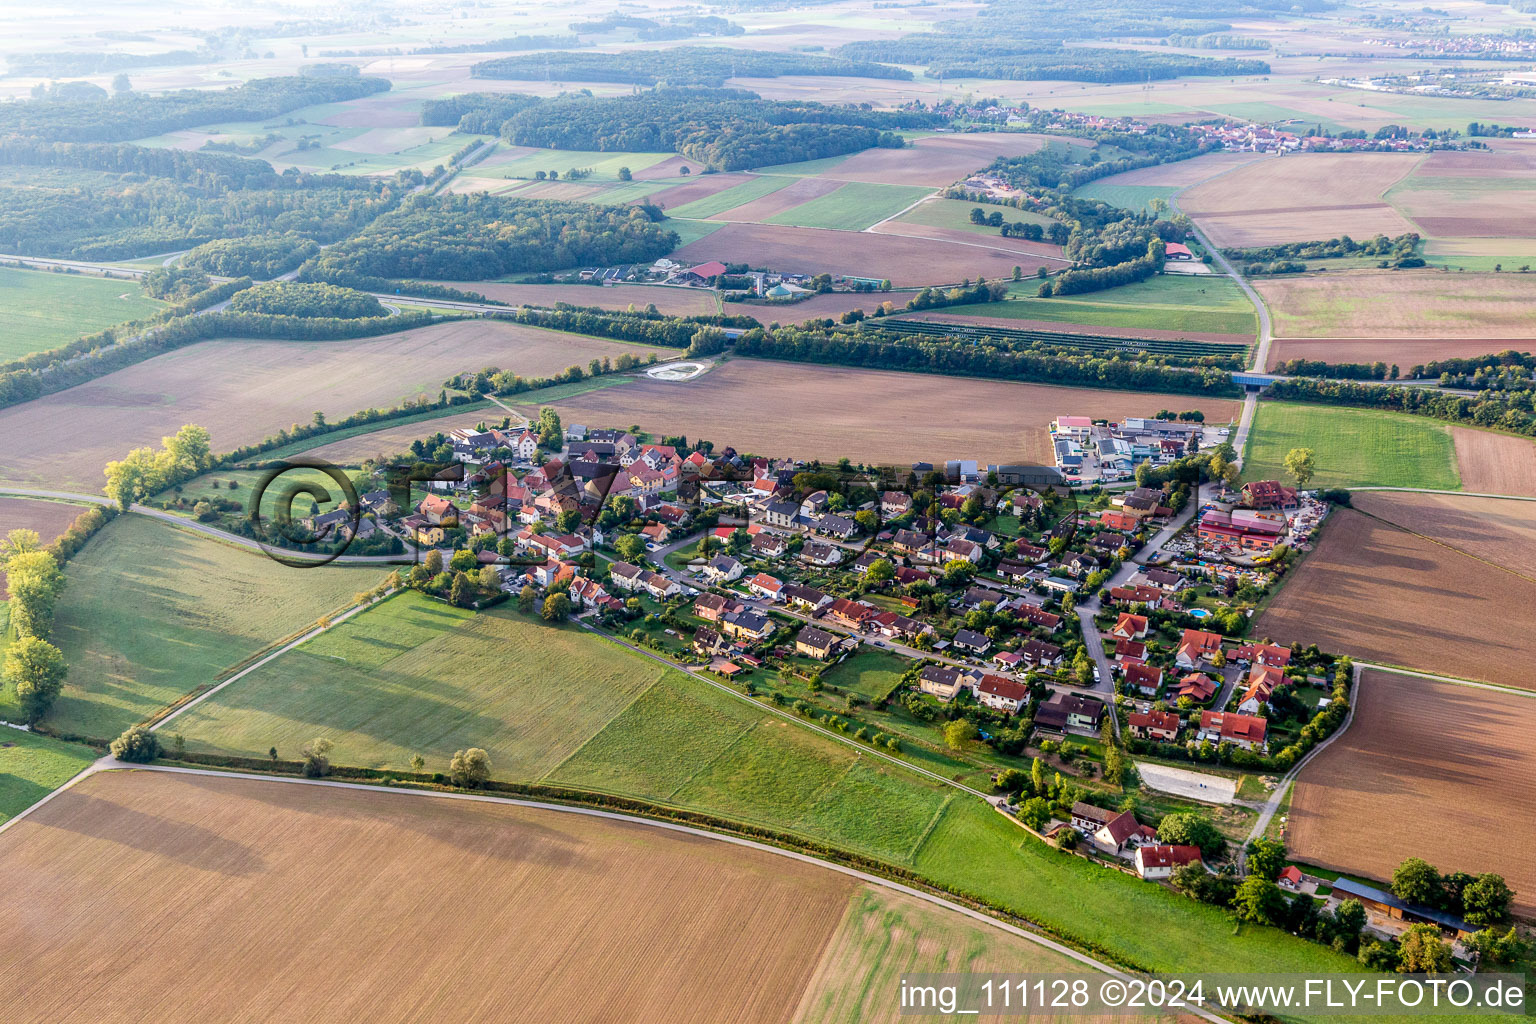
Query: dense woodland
x,y
136,116
260,256
286,298
725,129
681,65
476,237
479,113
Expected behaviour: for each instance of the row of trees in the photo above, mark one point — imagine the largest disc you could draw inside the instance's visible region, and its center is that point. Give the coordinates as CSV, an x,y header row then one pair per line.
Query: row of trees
x,y
32,665
1332,248
674,332
1513,411
946,356
1092,279
145,471
480,236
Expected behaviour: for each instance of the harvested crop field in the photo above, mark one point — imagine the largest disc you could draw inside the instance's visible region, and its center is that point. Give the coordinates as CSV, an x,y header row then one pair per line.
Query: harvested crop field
x,y
937,160
1182,173
701,187
1405,352
244,391
942,234
1494,529
780,200
267,880
817,306
1300,198
1411,305
1424,765
1383,593
1492,463
811,411
672,301
901,260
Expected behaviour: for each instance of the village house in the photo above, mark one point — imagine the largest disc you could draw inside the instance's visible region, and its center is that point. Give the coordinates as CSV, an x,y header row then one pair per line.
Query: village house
x,y
941,682
971,642
1197,648
1262,681
624,576
659,586
1144,679
1162,726
1048,621
1130,652
1158,862
1264,654
1119,521
722,569
783,514
1290,878
707,642
1088,819
1244,731
816,643
713,607
589,594
852,614
816,552
655,533
766,587
894,504
1270,494
1122,832
806,597
834,525
746,622
1197,686
1130,627
890,624
1039,654
1065,711
769,545
1002,694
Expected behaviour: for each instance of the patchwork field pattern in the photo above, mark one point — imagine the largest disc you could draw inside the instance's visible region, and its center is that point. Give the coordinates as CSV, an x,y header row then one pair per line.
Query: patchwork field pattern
x,y
1421,751
244,391
1301,197
151,612
901,260
596,914
1353,595
1408,305
828,412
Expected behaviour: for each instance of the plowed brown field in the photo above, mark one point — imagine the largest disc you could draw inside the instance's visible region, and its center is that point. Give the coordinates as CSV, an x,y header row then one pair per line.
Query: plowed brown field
x,y
1405,352
1438,600
1403,304
904,261
1495,463
149,895
1424,767
244,391
1300,198
811,411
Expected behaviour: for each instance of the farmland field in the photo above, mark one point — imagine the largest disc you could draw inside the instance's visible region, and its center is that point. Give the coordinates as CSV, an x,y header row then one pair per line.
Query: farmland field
x,y
244,391
956,215
152,611
897,258
1422,751
934,160
1499,531
1403,304
887,934
851,207
743,189
1354,447
673,301
417,676
32,766
1169,302
1300,198
828,412
1490,463
456,890
1425,601
42,310
48,518
1406,353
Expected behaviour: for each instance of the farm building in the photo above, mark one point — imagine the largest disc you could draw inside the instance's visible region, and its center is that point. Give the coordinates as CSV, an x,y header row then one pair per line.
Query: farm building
x,y
1380,902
